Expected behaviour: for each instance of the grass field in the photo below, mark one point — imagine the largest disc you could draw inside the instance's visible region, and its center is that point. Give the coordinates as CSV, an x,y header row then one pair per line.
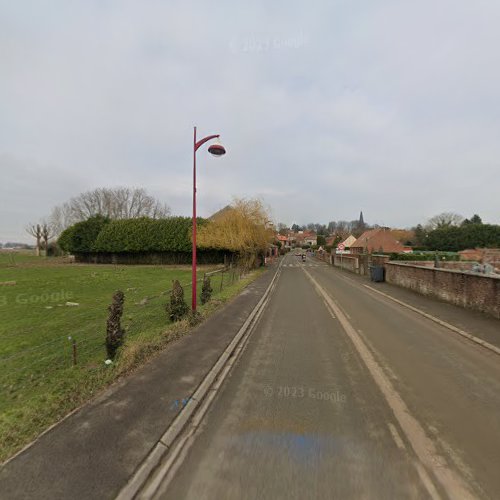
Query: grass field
x,y
40,335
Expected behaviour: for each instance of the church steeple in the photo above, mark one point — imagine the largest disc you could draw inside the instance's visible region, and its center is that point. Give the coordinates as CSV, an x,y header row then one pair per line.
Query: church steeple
x,y
361,220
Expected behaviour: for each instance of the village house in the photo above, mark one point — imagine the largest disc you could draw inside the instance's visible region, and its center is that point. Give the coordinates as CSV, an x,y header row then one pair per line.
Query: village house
x,y
348,242
306,238
283,240
378,240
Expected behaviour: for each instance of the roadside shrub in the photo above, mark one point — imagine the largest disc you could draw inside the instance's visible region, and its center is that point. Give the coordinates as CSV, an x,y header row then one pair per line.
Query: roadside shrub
x,y
177,308
114,331
54,250
206,290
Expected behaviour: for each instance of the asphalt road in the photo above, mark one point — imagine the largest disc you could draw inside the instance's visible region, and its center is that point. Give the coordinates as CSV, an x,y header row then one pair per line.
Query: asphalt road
x,y
342,393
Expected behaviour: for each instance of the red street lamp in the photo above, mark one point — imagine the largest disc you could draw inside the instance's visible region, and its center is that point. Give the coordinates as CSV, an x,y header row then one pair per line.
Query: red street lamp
x,y
216,150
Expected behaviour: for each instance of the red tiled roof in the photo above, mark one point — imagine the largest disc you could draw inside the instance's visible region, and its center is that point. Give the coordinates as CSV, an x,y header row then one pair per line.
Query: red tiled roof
x,y
375,240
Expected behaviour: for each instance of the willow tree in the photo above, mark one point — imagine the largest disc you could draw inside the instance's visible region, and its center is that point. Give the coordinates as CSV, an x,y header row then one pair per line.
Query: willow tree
x,y
243,228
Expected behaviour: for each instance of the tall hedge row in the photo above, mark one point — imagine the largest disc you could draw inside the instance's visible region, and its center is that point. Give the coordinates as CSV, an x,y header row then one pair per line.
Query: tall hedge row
x,y
129,235
81,237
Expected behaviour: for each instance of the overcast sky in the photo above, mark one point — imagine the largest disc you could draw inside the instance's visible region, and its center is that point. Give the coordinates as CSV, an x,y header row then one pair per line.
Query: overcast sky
x,y
326,108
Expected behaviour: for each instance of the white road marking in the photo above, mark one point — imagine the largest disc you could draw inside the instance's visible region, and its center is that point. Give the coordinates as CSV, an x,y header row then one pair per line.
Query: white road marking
x,y
423,447
396,436
463,333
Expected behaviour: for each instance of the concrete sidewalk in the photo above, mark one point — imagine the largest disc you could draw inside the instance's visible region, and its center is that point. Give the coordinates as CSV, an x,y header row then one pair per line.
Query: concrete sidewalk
x,y
91,454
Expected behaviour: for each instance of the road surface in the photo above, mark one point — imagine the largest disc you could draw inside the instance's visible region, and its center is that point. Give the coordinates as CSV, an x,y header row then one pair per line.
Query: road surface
x,y
342,393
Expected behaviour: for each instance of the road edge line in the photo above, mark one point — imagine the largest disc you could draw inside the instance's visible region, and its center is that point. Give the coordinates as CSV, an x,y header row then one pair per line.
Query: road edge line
x,y
146,468
455,329
423,447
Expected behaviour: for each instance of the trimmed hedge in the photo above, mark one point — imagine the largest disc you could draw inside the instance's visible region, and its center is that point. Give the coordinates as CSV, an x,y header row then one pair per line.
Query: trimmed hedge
x,y
146,235
81,237
155,258
137,241
142,235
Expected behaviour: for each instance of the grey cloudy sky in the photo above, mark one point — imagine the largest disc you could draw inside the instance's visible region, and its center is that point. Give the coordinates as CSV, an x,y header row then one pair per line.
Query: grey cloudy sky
x,y
325,107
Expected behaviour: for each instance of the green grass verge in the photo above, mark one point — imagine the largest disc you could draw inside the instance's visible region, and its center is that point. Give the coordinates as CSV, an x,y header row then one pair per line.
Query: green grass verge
x,y
38,382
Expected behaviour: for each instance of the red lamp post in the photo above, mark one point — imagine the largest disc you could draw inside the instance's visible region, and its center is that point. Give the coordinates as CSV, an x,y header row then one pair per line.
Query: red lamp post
x,y
216,150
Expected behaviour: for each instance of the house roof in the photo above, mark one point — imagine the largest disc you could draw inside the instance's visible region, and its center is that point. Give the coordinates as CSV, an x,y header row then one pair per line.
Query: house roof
x,y
306,235
349,241
220,212
378,240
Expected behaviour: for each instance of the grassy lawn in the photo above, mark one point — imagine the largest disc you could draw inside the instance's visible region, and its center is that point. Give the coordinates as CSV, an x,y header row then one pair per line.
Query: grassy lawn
x,y
39,382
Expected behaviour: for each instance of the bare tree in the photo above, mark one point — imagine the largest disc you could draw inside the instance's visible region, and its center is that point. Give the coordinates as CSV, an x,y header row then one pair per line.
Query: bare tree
x,y
35,230
47,233
62,217
445,219
341,228
115,203
283,228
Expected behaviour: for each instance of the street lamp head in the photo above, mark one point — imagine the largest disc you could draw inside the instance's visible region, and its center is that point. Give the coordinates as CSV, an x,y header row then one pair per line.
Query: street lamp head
x,y
217,149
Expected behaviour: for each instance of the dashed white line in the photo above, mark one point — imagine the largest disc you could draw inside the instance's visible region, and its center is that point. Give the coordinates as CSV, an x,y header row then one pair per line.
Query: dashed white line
x,y
395,435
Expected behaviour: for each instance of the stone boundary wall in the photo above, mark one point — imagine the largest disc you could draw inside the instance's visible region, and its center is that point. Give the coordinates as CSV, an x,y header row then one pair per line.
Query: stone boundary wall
x,y
469,290
349,262
356,263
380,260
460,265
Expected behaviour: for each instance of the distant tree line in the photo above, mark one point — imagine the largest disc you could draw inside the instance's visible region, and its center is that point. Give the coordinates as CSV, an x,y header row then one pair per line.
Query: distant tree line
x,y
342,228
113,203
15,244
447,231
451,232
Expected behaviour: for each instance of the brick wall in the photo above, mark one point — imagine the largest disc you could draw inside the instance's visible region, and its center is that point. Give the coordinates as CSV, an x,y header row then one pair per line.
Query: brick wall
x,y
473,291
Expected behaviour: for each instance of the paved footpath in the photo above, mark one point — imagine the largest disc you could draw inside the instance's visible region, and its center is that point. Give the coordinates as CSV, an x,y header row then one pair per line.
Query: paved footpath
x,y
92,454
